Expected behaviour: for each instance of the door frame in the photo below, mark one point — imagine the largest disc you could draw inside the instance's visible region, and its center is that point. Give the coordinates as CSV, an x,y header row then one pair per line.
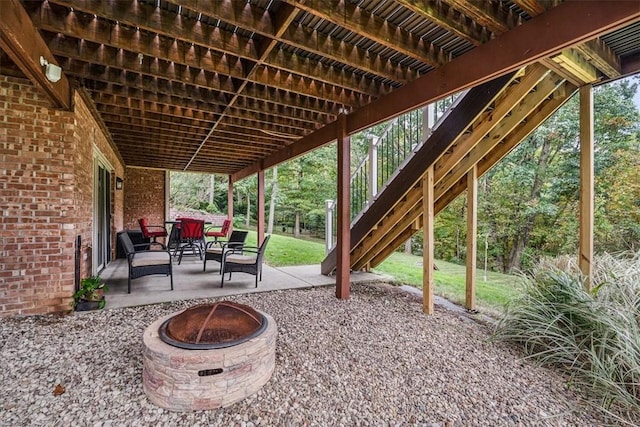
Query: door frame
x,y
100,161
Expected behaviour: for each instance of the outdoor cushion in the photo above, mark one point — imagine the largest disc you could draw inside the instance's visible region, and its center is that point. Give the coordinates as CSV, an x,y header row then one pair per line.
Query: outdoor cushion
x,y
241,259
142,259
214,250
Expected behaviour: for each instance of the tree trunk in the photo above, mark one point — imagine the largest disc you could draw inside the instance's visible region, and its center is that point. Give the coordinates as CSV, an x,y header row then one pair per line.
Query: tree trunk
x,y
296,226
272,204
521,240
248,210
515,256
212,189
407,246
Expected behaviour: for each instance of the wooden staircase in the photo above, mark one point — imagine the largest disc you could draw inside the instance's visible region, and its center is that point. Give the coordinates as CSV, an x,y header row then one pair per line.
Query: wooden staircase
x,y
485,126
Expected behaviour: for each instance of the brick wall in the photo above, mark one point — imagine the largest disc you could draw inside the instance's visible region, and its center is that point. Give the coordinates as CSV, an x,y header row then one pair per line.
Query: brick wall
x,y
144,191
46,183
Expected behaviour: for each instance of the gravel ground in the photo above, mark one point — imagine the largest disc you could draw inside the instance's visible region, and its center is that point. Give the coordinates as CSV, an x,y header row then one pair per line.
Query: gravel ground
x,y
372,360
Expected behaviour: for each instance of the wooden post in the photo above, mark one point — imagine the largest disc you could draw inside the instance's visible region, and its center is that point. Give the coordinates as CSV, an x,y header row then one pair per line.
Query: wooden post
x,y
230,201
585,256
428,258
343,243
472,240
260,207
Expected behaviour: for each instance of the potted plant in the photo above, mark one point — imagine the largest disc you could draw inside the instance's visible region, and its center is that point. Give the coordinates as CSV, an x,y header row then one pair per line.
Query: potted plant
x,y
90,296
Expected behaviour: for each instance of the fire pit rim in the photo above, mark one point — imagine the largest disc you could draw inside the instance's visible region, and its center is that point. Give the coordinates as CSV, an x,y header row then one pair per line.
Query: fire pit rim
x,y
162,332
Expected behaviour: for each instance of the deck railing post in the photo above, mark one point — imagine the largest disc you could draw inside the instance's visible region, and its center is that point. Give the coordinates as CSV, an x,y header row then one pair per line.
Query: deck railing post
x,y
328,227
373,168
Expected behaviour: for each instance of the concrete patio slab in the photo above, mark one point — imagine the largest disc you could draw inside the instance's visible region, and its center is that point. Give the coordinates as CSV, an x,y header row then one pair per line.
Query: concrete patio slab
x,y
190,282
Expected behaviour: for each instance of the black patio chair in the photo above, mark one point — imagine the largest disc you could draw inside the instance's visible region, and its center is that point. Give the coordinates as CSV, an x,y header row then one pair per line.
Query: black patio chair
x,y
244,260
145,263
216,249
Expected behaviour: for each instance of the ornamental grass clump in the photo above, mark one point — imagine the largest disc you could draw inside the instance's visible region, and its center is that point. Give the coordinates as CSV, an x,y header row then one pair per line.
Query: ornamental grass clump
x,y
594,335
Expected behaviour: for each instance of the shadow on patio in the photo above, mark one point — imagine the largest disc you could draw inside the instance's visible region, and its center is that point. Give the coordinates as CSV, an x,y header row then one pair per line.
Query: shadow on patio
x,y
190,282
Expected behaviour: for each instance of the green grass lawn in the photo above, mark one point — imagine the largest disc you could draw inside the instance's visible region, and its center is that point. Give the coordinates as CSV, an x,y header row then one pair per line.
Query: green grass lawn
x,y
286,250
493,293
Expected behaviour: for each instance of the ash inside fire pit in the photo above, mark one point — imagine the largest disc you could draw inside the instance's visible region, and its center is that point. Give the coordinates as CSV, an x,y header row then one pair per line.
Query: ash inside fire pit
x,y
210,326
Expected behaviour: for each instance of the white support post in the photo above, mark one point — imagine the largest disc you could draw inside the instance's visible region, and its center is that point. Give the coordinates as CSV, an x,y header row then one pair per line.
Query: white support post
x,y
428,120
328,227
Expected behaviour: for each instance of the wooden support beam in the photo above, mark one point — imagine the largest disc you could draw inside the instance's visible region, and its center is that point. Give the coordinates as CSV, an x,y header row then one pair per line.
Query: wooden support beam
x,y
343,245
585,257
228,54
252,18
428,257
24,45
359,21
472,237
260,228
576,65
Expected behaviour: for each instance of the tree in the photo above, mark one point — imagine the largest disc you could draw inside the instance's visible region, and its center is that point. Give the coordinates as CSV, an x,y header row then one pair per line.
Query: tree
x,y
530,199
304,184
197,191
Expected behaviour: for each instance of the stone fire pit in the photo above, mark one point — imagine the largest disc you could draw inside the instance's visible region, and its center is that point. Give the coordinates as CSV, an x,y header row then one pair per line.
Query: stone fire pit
x,y
227,355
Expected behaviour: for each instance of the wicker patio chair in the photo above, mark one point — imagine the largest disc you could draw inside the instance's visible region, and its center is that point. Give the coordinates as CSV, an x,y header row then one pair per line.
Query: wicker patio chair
x,y
244,260
215,252
145,263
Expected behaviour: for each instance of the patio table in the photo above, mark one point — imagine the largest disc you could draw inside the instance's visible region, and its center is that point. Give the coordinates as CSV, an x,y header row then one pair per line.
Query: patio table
x,y
174,235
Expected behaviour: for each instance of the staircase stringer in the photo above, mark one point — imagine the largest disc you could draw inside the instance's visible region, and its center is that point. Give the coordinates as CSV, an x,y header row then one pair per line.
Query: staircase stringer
x,y
517,125
504,147
493,114
473,104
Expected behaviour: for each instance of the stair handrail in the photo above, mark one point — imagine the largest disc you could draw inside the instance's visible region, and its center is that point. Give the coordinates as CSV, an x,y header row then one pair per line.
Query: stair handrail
x,y
415,145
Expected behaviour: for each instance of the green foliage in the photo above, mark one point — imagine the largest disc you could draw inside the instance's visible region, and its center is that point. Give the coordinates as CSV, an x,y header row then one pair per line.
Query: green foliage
x,y
239,221
304,185
594,335
315,221
91,289
192,191
450,232
528,202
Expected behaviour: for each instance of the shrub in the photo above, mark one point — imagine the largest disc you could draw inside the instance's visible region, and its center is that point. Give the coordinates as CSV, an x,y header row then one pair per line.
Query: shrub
x,y
593,335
